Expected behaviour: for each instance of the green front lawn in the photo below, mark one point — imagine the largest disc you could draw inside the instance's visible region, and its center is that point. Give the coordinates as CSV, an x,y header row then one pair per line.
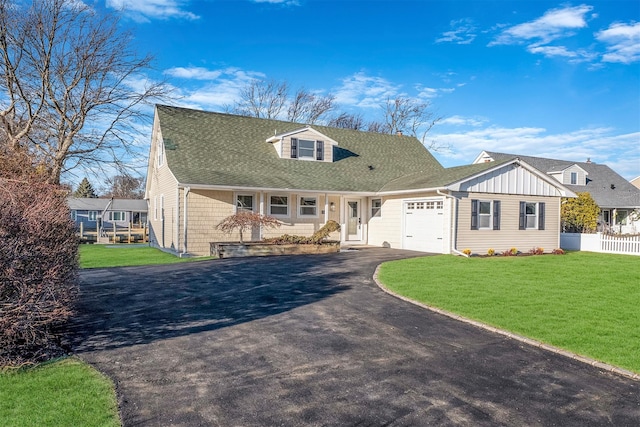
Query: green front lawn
x,y
583,302
99,256
62,393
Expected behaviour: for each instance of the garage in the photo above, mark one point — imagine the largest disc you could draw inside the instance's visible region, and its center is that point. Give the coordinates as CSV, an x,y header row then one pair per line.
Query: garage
x,y
424,225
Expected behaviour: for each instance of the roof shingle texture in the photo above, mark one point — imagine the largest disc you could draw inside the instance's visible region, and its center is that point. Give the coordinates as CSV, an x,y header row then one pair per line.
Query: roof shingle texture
x,y
600,180
205,148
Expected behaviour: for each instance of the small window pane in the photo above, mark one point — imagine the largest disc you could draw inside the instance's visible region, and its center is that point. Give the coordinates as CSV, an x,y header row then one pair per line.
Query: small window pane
x,y
376,207
244,203
485,208
279,205
307,206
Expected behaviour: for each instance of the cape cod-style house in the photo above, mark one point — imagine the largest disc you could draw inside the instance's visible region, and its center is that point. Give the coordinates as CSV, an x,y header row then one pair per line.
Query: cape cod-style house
x,y
384,190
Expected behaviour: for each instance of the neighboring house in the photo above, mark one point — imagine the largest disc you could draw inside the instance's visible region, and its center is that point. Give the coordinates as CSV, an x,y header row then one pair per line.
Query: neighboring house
x,y
384,190
95,212
618,199
636,182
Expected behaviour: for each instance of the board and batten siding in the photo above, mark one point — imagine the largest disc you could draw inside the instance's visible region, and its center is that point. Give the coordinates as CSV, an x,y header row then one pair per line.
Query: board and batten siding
x,y
509,235
510,179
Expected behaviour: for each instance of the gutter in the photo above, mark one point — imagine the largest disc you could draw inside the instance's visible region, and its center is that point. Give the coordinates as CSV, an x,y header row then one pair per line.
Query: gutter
x,y
452,234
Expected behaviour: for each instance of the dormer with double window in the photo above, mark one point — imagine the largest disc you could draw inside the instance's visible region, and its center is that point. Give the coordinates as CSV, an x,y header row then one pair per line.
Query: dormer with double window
x,y
304,144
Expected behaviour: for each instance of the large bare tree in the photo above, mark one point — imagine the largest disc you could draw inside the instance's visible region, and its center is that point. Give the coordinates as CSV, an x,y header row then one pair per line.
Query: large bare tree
x,y
270,99
72,88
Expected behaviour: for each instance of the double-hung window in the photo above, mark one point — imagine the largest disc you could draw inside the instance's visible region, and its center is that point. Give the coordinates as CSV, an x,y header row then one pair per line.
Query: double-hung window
x,y
307,149
160,149
532,216
93,215
485,214
279,205
376,208
574,178
244,203
308,206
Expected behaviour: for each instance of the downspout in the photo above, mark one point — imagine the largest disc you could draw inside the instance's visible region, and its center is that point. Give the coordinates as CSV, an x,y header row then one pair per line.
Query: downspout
x,y
176,231
454,217
185,211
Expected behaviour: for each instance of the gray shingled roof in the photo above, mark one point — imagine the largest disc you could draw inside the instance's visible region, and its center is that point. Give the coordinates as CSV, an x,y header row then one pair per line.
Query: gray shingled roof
x,y
600,179
91,204
206,148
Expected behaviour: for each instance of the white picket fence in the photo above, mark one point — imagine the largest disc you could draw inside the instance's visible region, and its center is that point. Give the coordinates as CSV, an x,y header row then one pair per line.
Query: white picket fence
x,y
601,242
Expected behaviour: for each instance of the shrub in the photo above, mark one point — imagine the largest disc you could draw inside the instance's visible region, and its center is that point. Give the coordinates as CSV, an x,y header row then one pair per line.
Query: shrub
x,y
245,221
317,237
491,252
467,252
510,252
38,268
558,252
536,251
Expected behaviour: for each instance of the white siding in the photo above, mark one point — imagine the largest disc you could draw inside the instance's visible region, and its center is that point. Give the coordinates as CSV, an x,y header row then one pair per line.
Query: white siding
x,y
509,236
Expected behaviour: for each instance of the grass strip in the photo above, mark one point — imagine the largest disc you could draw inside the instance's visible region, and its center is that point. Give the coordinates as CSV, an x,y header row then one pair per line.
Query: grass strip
x,y
583,302
101,256
65,392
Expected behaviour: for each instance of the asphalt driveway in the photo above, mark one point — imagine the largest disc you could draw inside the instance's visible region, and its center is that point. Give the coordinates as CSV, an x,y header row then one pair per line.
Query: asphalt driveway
x,y
310,340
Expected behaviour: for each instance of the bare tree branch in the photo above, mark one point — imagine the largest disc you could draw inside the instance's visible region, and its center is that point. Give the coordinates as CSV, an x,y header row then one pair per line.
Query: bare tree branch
x,y
71,86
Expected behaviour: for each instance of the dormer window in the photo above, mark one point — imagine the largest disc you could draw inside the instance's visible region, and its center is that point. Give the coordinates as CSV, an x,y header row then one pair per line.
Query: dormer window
x,y
303,144
574,178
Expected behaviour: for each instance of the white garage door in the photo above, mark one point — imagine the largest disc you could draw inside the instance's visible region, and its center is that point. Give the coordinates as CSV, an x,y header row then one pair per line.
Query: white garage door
x,y
424,225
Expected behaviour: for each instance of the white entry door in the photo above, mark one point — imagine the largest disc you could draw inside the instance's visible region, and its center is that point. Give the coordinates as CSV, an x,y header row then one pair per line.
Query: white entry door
x,y
353,219
424,225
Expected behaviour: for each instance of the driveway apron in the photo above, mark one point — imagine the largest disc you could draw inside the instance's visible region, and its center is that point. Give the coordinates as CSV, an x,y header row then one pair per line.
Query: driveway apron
x,y
310,340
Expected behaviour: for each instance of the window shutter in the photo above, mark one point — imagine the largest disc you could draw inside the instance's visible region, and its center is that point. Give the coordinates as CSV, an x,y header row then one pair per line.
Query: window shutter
x,y
496,214
540,216
522,223
319,150
294,148
474,214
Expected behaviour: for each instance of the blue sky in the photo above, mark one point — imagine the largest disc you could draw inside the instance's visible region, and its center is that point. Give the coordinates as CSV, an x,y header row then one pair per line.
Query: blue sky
x,y
539,78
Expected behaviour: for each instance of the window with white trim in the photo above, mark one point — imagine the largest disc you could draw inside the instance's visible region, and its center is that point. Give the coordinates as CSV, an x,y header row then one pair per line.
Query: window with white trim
x,y
93,215
306,149
160,152
485,214
155,207
532,215
376,208
574,178
117,216
308,206
74,215
279,205
244,203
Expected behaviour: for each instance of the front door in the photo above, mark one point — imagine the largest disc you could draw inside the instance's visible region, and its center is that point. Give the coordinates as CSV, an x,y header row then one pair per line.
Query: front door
x,y
354,220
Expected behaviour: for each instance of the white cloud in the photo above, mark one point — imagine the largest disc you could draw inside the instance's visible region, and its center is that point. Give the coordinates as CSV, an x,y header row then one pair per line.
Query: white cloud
x,y
554,24
360,90
623,43
579,145
283,2
462,32
210,89
145,10
196,73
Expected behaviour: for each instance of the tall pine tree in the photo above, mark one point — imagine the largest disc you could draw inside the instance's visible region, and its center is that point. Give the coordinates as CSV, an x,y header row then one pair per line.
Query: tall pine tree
x,y
85,190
